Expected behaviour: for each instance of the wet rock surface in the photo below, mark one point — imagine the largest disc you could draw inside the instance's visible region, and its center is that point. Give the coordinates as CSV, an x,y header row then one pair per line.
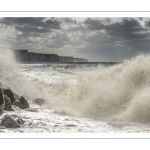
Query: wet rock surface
x,y
10,94
2,101
11,98
10,101
22,103
8,106
12,121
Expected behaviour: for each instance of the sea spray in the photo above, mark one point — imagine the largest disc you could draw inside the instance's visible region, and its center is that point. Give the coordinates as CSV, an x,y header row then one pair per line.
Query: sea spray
x,y
10,75
108,92
119,92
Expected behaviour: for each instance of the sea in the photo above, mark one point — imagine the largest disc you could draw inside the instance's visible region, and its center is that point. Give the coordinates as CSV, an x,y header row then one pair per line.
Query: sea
x,y
93,97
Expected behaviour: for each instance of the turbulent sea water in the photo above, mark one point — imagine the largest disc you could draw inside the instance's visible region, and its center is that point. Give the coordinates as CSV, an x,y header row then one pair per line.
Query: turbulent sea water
x,y
82,97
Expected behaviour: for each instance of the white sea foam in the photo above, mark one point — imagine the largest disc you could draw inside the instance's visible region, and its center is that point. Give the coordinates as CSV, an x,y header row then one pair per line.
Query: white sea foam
x,y
120,92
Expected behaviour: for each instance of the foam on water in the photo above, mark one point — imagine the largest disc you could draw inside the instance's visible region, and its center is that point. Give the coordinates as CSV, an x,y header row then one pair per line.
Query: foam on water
x,y
120,92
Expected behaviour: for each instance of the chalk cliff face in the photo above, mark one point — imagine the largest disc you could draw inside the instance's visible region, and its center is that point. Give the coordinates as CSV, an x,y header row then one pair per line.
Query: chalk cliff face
x,y
24,55
21,55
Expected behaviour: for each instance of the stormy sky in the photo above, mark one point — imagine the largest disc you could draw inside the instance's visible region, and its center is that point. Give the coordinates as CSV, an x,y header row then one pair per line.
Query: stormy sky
x,y
97,39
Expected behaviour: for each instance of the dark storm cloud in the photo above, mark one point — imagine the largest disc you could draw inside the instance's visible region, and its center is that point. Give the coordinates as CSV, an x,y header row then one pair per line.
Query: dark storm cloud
x,y
70,20
109,38
127,24
94,24
131,36
50,23
127,28
147,23
23,21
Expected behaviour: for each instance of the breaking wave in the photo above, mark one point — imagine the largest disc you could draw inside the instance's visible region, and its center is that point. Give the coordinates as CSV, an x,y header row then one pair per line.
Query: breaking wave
x,y
119,92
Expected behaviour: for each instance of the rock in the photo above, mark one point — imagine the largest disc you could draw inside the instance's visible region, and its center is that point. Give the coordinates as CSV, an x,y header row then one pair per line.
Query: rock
x,y
15,99
2,127
22,103
8,105
10,94
39,101
12,121
2,101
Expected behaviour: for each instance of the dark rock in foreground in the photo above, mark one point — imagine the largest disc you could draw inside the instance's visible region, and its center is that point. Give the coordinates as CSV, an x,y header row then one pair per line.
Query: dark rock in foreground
x,y
10,94
7,99
2,101
8,105
14,99
12,121
22,103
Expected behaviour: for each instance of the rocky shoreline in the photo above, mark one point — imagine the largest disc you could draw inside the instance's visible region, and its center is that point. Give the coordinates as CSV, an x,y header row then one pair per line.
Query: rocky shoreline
x,y
9,100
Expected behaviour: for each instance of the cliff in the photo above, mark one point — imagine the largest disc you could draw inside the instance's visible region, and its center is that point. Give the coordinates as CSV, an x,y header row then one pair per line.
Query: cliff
x,y
24,55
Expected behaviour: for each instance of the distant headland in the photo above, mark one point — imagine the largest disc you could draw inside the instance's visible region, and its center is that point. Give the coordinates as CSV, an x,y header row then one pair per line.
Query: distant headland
x,y
25,56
